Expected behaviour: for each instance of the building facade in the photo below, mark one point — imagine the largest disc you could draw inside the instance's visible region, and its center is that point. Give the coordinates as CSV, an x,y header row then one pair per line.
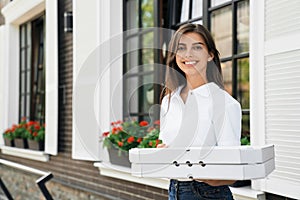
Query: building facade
x,y
78,66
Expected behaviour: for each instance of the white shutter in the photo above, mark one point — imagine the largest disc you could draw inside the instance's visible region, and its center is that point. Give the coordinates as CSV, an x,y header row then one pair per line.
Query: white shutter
x,y
2,82
281,83
51,64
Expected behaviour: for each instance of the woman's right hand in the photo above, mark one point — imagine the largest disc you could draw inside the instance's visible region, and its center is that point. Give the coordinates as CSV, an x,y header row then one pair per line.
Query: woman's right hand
x,y
161,146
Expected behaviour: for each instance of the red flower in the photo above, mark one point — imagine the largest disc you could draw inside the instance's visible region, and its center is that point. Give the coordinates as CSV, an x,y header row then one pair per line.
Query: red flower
x,y
120,144
37,127
35,134
139,140
157,122
143,123
30,123
114,130
150,143
130,139
157,142
105,134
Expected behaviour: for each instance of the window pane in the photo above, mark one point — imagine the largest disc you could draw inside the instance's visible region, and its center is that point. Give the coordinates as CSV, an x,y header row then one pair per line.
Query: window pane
x,y
227,75
221,29
147,13
198,22
243,82
185,10
197,8
28,84
243,27
22,57
246,126
132,55
218,2
131,96
148,51
132,14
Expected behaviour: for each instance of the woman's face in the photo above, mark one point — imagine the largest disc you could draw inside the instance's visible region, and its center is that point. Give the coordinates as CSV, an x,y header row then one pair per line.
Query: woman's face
x,y
192,55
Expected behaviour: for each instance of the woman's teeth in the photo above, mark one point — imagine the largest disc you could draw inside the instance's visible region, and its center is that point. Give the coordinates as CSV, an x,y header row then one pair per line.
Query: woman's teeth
x,y
190,63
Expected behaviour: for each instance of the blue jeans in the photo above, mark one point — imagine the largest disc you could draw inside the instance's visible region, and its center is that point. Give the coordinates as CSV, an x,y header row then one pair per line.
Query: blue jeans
x,y
194,190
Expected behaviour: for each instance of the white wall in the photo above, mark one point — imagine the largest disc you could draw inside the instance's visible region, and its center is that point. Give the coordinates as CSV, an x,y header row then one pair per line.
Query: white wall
x,y
275,82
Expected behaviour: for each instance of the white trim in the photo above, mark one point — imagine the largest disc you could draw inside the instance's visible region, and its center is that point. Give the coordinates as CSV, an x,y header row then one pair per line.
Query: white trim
x,y
19,11
247,193
123,173
281,187
25,153
94,47
85,142
257,101
51,64
16,13
2,82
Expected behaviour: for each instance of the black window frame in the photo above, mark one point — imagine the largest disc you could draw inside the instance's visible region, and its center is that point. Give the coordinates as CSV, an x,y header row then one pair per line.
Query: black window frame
x,y
32,70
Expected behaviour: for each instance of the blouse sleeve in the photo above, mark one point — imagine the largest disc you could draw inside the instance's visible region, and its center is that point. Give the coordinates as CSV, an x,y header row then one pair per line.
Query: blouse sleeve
x,y
229,133
163,112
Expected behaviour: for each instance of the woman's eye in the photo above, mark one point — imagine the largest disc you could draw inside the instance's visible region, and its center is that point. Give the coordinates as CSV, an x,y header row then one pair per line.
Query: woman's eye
x,y
198,47
180,49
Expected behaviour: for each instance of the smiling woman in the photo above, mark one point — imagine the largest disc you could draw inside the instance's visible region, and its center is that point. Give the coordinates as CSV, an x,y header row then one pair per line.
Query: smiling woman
x,y
194,70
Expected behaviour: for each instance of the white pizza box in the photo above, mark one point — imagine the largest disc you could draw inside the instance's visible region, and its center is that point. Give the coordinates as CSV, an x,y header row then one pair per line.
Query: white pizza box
x,y
208,171
207,155
218,162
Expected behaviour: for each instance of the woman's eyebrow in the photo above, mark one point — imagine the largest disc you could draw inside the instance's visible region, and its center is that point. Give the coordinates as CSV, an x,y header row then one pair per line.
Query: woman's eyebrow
x,y
198,43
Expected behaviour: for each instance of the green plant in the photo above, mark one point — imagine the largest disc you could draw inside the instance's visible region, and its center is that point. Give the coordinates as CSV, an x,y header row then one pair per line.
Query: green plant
x,y
26,130
9,134
130,134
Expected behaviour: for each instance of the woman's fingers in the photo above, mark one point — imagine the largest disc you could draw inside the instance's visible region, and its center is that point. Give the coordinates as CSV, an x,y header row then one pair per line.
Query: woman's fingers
x,y
161,146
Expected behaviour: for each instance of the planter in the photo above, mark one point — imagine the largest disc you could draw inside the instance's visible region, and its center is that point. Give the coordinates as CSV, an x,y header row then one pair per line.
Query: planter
x,y
36,145
8,142
21,143
118,157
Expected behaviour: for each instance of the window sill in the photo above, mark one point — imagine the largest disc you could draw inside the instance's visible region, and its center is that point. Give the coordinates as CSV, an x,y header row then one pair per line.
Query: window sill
x,y
120,172
247,193
25,153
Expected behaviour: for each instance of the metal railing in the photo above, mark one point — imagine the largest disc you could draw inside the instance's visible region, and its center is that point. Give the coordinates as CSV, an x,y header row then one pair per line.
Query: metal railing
x,y
46,176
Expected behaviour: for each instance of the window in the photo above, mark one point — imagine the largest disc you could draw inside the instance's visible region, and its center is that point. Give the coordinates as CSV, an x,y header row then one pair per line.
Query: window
x,y
228,21
140,73
32,71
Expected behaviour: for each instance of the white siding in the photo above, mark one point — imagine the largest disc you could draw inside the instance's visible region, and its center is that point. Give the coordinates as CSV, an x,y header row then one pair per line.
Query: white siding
x,y
280,65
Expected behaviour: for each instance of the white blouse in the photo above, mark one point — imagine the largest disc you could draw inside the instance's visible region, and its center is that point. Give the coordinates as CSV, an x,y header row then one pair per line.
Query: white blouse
x,y
215,114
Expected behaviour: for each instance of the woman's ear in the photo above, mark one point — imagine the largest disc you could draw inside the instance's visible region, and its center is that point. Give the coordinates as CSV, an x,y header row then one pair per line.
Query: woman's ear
x,y
211,57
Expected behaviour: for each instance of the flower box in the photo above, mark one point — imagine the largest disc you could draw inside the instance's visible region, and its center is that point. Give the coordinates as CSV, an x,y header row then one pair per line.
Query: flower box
x,y
36,145
118,157
8,142
21,143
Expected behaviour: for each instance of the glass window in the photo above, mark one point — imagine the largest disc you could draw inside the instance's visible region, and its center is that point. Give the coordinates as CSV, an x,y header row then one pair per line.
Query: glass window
x,y
227,75
243,27
197,8
243,82
221,29
132,14
185,10
139,61
218,2
32,71
147,13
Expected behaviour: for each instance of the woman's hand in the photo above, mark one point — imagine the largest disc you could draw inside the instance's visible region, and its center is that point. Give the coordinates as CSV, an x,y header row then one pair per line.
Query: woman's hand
x,y
217,182
161,146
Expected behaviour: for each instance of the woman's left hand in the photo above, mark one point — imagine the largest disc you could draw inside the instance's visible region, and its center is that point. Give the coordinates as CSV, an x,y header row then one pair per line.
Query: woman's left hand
x,y
217,182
